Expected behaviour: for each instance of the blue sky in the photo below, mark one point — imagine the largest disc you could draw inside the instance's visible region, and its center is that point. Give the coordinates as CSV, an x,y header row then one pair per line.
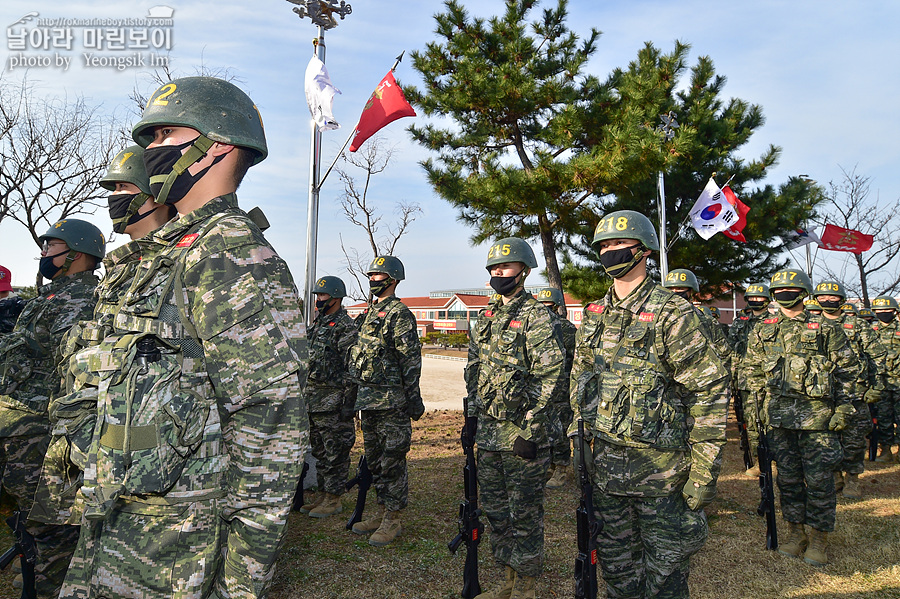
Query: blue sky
x,y
820,71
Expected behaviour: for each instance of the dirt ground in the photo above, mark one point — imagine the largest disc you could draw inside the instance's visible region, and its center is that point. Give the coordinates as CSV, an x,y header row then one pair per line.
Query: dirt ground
x,y
442,383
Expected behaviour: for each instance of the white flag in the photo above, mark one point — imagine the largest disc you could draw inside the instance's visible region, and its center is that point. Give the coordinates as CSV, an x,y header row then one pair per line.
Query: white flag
x,y
800,237
712,212
320,95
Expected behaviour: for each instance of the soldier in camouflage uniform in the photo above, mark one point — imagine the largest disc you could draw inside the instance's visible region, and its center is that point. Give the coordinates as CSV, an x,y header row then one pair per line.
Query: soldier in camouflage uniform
x,y
887,410
653,394
29,358
812,306
515,369
757,297
867,389
386,363
201,422
330,395
806,367
10,304
867,315
560,453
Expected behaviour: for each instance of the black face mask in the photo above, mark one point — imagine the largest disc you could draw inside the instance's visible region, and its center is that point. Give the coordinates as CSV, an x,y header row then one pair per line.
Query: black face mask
x,y
884,317
120,204
619,263
504,285
320,304
379,287
685,294
47,269
788,299
159,162
757,303
830,306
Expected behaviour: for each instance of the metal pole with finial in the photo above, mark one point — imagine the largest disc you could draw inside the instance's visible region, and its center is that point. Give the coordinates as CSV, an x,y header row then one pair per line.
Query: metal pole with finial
x,y
668,126
321,13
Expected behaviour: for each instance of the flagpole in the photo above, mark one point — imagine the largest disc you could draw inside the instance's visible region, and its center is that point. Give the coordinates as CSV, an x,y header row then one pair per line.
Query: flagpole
x,y
668,126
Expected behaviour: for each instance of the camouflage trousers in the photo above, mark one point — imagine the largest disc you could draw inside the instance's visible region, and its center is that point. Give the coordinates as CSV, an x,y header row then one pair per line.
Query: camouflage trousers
x,y
750,403
646,543
887,411
853,439
144,551
24,441
332,437
560,451
511,490
386,436
806,464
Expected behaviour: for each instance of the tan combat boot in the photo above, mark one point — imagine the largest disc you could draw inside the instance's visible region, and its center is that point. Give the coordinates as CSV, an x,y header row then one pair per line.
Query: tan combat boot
x,y
753,472
818,546
369,525
851,487
796,541
330,505
559,478
389,530
896,456
504,589
524,588
885,454
316,500
838,481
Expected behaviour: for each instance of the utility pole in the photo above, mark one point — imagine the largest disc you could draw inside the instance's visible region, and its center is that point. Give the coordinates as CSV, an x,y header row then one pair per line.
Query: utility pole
x,y
321,13
668,126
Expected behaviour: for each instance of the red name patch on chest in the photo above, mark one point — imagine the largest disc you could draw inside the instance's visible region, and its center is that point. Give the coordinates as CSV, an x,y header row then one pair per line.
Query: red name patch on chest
x,y
812,325
51,296
771,320
331,324
847,325
382,314
515,324
743,318
187,240
595,308
646,316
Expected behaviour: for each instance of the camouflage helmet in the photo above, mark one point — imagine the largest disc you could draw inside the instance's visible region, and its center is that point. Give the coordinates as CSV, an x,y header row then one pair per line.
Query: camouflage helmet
x,y
757,290
79,235
219,110
389,265
333,286
885,302
848,308
551,294
830,287
790,277
510,249
127,167
810,304
626,224
681,277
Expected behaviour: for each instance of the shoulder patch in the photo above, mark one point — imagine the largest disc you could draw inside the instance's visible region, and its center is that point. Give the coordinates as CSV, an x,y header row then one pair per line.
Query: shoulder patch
x,y
812,325
847,325
331,324
51,296
515,324
382,314
187,240
489,313
595,308
646,316
743,318
772,320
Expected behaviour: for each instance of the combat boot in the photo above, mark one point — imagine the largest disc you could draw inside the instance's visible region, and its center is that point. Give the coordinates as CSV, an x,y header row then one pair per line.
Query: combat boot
x,y
369,525
330,505
559,478
316,500
896,456
753,472
885,454
504,589
838,481
524,588
818,546
851,487
796,541
390,529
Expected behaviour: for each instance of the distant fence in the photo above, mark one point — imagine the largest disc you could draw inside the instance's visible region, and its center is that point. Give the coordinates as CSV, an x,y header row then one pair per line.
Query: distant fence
x,y
440,357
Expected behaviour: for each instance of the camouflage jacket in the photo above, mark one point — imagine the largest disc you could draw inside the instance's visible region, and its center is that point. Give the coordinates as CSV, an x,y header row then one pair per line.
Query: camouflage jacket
x,y
805,366
516,365
328,383
889,335
386,361
568,332
218,292
871,353
738,335
30,355
718,336
651,390
10,308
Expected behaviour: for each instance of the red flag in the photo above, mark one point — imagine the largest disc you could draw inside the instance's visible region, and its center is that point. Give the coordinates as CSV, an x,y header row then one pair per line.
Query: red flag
x,y
845,240
742,209
385,105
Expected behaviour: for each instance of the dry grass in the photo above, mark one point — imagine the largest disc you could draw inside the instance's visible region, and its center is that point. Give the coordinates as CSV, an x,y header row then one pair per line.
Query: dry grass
x,y
322,560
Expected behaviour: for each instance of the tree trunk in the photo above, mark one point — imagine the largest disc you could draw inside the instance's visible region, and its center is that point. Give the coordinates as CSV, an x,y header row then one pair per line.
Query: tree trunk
x,y
862,280
548,244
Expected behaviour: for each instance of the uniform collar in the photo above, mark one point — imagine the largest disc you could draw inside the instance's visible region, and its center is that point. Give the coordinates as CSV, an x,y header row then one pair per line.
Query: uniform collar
x,y
634,300
56,285
175,229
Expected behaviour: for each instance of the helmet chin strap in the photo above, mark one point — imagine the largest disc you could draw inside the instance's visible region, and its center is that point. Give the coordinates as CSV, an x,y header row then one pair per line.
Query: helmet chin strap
x,y
193,154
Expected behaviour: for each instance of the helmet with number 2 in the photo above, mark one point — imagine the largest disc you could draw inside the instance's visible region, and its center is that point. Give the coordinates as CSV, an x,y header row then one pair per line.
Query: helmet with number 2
x,y
790,278
551,294
757,290
681,277
830,287
625,224
510,249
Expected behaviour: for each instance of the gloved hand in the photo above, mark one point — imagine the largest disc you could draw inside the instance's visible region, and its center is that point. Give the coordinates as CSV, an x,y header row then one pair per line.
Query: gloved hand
x,y
841,418
415,407
696,495
525,449
348,407
872,396
580,447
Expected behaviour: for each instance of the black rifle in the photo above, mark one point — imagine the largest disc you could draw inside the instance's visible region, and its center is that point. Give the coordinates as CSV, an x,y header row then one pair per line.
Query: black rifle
x,y
363,480
742,427
873,436
298,494
25,550
767,490
588,529
470,527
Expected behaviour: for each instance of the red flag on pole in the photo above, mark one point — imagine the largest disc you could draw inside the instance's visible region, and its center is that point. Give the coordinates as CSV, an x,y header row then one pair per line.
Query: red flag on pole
x,y
838,239
735,232
385,105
